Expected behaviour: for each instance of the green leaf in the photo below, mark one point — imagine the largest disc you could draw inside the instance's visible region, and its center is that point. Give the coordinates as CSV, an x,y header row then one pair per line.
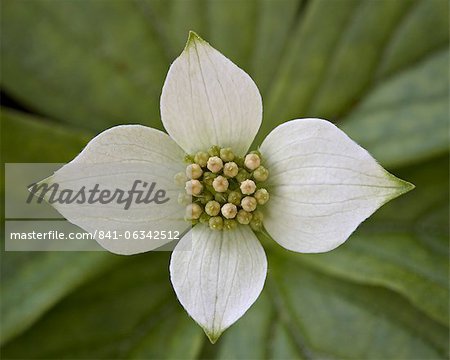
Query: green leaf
x,y
303,314
364,38
173,19
423,30
259,318
33,282
263,325
34,139
308,53
338,319
236,40
96,325
275,21
326,69
405,119
83,62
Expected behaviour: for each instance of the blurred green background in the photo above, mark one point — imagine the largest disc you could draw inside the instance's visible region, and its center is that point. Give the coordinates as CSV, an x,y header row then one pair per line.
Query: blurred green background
x,y
377,68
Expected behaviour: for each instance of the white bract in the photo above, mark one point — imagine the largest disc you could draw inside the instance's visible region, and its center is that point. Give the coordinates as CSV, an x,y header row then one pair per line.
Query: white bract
x,y
322,184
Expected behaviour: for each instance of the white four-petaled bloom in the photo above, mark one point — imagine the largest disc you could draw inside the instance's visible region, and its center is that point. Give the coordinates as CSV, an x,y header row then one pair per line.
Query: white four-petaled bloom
x,y
322,185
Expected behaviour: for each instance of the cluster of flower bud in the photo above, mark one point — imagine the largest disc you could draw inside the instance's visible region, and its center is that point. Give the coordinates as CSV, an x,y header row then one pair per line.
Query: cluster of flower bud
x,y
224,190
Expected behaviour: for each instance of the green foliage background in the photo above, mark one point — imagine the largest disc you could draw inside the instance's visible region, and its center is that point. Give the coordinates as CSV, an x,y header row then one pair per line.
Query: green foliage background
x,y
377,68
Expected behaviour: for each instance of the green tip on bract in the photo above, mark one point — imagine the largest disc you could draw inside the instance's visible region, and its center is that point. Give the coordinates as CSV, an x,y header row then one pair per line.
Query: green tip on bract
x,y
407,186
192,38
402,185
213,337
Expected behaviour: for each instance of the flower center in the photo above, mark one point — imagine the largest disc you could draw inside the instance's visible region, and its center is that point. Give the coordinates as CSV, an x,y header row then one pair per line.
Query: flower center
x,y
222,189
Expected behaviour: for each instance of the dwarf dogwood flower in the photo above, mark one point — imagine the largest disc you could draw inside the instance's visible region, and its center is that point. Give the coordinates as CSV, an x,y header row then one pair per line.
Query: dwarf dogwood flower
x,y
308,185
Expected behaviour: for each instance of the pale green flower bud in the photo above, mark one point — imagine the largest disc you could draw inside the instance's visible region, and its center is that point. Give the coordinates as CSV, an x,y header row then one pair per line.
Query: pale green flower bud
x,y
226,154
204,218
201,158
220,184
261,174
212,208
221,197
214,151
257,152
257,221
205,197
229,211
189,159
229,224
208,178
248,187
252,161
184,199
180,178
214,164
244,217
261,196
230,169
248,203
194,171
239,161
258,216
256,225
193,211
242,175
216,223
193,187
234,197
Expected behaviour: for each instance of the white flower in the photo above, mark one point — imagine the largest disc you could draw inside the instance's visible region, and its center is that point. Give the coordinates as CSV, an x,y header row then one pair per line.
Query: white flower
x,y
322,185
